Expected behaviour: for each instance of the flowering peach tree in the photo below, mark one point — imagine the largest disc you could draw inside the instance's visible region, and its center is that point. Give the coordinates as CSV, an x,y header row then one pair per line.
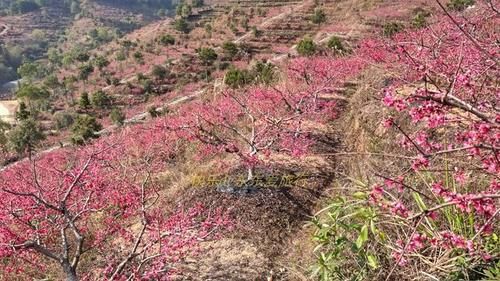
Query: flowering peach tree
x,y
437,216
448,91
257,122
98,206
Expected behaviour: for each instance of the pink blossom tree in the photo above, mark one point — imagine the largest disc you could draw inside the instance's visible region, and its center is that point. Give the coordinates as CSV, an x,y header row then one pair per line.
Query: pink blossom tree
x,y
256,122
454,137
98,206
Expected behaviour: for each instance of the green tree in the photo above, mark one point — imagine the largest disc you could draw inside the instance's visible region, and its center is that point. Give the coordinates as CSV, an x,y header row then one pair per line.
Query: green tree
x,y
197,3
460,5
159,72
4,128
85,71
30,92
181,25
29,70
84,129
336,45
100,100
139,57
264,73
82,57
319,16
26,136
391,28
167,39
84,102
22,112
306,47
63,119
207,55
54,56
117,116
237,78
230,49
101,62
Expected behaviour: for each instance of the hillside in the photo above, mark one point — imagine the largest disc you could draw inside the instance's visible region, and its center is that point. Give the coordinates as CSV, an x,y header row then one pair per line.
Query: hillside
x,y
250,140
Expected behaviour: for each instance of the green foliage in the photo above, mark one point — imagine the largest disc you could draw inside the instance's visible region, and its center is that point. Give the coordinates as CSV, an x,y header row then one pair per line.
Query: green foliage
x,y
153,112
460,5
265,73
84,129
167,39
147,86
102,34
181,25
85,71
139,57
31,70
230,49
51,82
183,10
63,120
391,28
197,3
261,73
207,55
101,100
82,57
236,78
420,18
336,45
306,47
4,127
345,231
22,112
54,56
101,62
84,102
117,116
160,72
25,136
256,33
30,92
319,16
121,56
23,6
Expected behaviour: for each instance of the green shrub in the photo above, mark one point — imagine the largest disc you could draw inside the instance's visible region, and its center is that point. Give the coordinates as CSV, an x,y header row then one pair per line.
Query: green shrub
x,y
319,16
230,49
84,102
159,72
63,120
336,45
25,136
460,5
84,129
101,100
181,25
264,73
306,47
391,28
167,39
420,18
117,116
343,230
236,78
207,55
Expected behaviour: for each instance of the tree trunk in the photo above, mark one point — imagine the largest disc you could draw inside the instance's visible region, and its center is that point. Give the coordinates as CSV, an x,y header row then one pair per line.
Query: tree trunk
x,y
250,174
70,273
